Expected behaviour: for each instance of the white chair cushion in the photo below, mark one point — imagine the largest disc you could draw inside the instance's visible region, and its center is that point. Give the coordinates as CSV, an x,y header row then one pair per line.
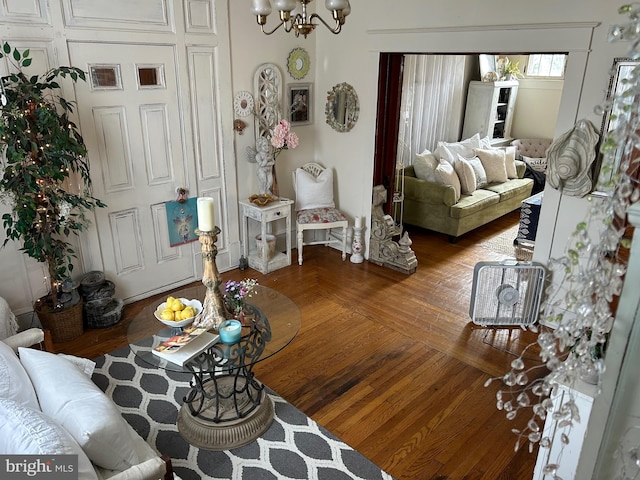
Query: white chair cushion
x,y
314,192
494,164
15,384
25,431
81,408
320,215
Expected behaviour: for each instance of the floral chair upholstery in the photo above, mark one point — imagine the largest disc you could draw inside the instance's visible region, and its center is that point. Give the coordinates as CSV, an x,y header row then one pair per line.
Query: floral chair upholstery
x,y
315,208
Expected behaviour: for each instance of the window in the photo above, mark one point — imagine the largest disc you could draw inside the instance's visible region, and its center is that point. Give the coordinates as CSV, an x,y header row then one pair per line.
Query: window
x,y
105,77
150,76
546,65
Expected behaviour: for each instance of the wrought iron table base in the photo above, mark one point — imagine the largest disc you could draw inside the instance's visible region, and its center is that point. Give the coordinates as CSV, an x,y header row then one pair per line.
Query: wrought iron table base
x,y
203,432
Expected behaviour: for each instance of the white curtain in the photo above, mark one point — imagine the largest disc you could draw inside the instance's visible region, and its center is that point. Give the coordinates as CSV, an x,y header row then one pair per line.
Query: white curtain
x,y
432,108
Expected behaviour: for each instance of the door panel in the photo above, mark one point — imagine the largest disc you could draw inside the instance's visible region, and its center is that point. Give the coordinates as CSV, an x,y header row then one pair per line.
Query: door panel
x,y
134,135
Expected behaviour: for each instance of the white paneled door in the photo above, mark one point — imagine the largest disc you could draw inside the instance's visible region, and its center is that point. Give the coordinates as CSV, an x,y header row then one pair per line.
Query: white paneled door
x,y
130,116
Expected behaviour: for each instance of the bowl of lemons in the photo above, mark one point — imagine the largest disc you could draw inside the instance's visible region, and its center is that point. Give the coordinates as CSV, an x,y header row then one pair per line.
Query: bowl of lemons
x,y
178,312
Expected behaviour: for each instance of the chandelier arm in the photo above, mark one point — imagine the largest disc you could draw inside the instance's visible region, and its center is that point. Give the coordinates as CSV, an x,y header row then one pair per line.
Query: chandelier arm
x,y
335,29
282,22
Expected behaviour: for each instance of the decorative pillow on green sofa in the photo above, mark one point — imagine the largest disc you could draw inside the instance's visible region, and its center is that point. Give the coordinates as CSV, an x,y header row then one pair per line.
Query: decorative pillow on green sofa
x,y
510,161
425,165
478,169
447,176
450,151
466,175
494,163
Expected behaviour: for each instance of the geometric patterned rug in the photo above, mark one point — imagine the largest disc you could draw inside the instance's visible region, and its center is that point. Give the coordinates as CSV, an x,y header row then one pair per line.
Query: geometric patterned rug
x,y
294,446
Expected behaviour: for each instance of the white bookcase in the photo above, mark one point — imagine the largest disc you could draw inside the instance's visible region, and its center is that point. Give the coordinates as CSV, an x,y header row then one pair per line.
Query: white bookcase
x,y
489,110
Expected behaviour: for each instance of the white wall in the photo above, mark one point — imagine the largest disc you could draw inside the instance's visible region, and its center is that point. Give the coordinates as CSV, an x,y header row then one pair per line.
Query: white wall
x,y
249,49
536,109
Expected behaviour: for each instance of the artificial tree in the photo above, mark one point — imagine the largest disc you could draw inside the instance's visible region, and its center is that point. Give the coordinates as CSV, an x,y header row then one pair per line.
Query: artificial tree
x,y
43,155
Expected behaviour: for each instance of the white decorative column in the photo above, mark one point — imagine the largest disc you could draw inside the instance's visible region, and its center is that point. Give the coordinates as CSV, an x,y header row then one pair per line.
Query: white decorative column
x,y
356,245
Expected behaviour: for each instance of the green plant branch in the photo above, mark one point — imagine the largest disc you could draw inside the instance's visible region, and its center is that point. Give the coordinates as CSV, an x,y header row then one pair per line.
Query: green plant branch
x,y
43,150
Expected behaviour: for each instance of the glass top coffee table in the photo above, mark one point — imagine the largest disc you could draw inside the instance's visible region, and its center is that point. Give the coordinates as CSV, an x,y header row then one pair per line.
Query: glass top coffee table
x,y
225,407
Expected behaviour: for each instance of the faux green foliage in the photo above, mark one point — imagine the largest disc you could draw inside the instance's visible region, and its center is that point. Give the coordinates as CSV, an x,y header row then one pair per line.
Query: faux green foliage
x,y
45,174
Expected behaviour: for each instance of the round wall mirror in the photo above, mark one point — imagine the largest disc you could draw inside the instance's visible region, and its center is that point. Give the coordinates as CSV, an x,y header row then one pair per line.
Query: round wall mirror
x,y
342,107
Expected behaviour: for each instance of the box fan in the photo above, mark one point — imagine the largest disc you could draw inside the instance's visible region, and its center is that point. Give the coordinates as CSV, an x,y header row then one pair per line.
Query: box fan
x,y
506,293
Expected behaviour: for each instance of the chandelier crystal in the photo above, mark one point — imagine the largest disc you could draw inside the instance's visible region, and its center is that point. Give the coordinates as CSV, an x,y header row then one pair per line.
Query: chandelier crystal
x,y
294,16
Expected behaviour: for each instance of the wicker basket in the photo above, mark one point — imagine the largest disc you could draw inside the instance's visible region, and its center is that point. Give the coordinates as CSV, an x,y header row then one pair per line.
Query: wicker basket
x,y
64,325
91,282
103,312
105,290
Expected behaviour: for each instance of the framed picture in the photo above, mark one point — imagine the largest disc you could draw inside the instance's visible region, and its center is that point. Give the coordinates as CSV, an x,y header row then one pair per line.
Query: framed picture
x,y
299,103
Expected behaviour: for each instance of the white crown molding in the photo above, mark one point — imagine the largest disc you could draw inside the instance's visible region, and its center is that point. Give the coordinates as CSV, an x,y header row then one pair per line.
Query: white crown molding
x,y
481,28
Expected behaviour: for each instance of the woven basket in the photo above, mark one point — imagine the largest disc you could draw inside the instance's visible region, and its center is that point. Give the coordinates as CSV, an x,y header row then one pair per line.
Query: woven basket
x,y
64,325
103,312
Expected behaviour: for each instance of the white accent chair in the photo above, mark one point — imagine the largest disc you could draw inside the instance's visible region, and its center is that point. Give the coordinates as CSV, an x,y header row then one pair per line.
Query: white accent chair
x,y
315,208
9,330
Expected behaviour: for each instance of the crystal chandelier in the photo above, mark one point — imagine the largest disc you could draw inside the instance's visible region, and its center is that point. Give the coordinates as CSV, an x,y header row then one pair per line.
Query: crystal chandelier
x,y
294,16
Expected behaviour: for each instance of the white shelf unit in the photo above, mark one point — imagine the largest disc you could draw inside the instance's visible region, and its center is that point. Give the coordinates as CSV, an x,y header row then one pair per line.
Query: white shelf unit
x,y
489,110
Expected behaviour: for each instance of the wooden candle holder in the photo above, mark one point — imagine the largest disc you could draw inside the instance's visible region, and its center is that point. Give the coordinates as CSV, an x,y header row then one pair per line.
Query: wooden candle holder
x,y
213,311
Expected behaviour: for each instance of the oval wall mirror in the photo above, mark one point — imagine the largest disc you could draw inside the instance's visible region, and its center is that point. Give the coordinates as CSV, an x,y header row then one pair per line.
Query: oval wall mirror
x,y
342,107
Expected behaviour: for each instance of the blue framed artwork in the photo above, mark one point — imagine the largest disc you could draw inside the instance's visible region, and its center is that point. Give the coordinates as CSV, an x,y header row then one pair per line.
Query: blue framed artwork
x,y
182,221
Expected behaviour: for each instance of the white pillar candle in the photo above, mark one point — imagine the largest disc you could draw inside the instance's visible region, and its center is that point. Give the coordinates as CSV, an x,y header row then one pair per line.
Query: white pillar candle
x,y
358,222
206,218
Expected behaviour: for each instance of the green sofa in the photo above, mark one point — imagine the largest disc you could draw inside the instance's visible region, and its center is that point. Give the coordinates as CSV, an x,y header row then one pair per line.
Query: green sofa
x,y
432,205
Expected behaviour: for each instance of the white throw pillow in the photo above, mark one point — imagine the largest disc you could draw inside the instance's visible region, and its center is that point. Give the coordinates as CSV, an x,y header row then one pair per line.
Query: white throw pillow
x,y
425,165
478,169
314,192
15,384
493,161
85,365
485,143
450,151
537,164
68,395
447,176
25,431
510,161
466,175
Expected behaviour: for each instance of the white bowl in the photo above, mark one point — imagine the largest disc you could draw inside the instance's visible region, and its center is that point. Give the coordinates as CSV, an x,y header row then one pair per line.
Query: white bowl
x,y
196,304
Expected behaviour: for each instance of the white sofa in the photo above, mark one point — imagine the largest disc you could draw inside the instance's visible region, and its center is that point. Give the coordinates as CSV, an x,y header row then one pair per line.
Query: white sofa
x,y
49,406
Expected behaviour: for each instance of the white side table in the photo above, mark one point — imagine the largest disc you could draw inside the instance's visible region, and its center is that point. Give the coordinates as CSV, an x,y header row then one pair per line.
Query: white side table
x,y
277,210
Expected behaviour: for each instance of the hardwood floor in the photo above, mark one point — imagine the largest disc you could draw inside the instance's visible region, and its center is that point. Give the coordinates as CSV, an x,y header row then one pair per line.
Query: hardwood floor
x,y
390,362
